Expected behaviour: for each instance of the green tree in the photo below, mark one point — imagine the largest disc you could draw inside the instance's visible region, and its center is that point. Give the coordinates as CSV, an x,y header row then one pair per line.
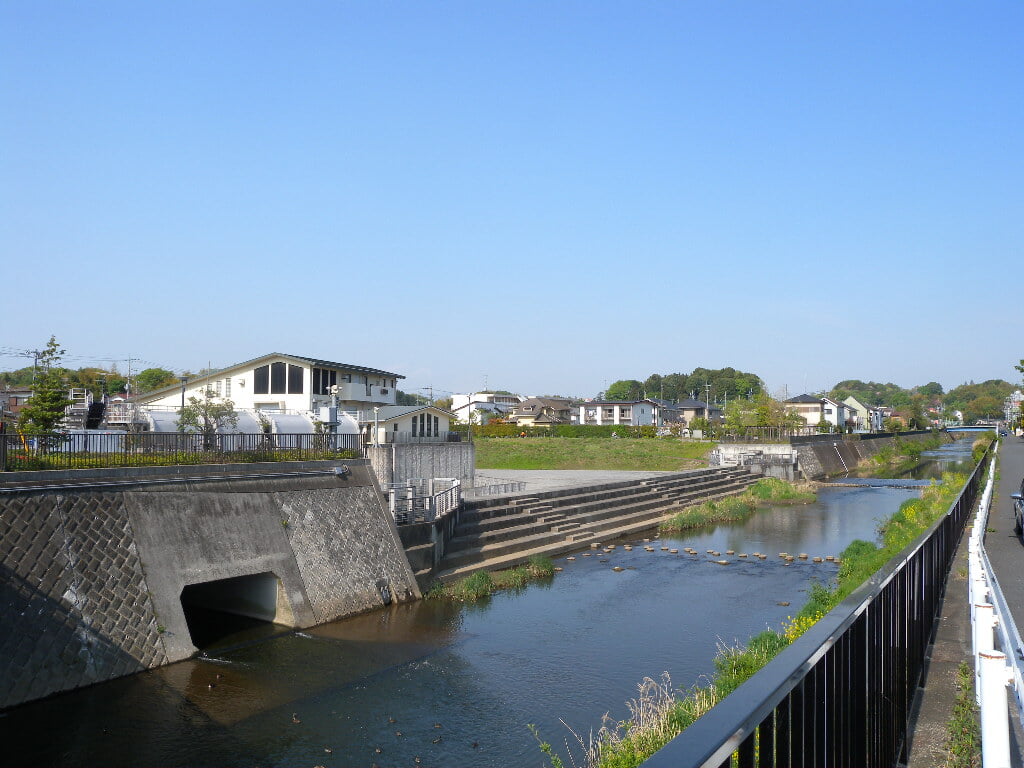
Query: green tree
x,y
45,409
206,415
154,378
406,398
624,389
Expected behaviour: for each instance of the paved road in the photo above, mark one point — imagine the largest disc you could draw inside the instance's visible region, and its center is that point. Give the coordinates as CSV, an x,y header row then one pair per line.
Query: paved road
x,y
1004,548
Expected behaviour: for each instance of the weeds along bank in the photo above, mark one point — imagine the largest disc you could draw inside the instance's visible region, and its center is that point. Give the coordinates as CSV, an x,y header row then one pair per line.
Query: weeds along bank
x,y
767,490
485,583
659,713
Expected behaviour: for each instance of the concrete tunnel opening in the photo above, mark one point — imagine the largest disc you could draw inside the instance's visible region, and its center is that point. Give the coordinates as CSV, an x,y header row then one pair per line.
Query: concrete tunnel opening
x,y
222,610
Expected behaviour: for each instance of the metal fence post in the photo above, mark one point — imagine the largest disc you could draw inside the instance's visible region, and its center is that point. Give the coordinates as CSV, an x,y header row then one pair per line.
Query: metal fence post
x,y
995,727
983,637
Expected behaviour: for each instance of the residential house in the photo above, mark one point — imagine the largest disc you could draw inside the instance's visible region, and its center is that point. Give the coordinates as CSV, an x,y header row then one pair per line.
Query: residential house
x,y
471,406
859,414
282,382
13,400
689,409
626,412
407,424
807,407
835,413
542,412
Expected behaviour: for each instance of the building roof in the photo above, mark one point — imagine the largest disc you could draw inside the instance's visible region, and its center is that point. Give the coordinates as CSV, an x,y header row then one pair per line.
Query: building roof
x,y
805,399
397,411
546,402
624,402
690,403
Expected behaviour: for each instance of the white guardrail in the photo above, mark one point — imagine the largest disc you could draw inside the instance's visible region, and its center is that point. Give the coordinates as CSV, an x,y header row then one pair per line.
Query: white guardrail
x,y
997,647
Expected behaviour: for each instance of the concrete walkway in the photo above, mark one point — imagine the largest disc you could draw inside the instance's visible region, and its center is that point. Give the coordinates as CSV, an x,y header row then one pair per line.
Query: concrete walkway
x,y
953,638
537,480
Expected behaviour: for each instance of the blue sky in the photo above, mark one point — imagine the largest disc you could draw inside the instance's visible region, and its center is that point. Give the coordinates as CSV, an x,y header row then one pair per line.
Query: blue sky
x,y
539,196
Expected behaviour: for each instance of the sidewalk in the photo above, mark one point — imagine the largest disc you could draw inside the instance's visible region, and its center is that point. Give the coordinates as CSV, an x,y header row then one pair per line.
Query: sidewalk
x,y
953,638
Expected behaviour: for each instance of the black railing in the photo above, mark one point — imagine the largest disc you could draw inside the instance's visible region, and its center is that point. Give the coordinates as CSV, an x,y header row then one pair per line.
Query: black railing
x,y
841,694
26,452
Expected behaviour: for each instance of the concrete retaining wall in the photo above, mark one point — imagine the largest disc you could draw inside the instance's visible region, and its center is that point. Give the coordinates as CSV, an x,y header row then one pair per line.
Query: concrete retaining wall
x,y
398,462
832,455
92,579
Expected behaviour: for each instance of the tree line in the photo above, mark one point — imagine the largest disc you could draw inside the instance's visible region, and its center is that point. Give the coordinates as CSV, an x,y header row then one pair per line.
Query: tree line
x,y
976,401
720,384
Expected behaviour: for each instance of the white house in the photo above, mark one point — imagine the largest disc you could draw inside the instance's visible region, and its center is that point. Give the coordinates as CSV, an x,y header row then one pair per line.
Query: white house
x,y
281,382
407,424
626,412
834,412
469,406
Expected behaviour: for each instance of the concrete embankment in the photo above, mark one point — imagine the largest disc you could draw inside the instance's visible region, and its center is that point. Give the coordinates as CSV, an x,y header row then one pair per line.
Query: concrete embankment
x,y
96,574
566,516
820,456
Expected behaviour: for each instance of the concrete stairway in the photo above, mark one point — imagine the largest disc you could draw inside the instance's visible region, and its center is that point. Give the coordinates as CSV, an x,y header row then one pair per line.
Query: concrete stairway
x,y
505,532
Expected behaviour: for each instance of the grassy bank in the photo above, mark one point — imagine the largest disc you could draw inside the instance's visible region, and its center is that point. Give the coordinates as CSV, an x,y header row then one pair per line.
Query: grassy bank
x,y
590,453
903,453
484,583
767,490
660,713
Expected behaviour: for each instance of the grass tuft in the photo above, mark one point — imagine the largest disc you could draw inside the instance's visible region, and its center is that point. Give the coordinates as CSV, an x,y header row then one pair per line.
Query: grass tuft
x,y
767,490
483,584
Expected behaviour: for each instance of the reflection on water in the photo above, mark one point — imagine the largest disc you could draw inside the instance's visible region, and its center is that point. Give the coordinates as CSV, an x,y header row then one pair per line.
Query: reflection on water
x,y
456,685
952,457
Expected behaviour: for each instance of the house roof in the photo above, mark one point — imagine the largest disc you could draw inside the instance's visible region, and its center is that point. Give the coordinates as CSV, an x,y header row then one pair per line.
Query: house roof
x,y
805,399
388,412
310,360
621,402
546,402
690,403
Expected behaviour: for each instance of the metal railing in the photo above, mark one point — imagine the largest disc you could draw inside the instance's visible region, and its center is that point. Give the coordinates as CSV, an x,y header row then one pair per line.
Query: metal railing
x,y
408,437
495,489
79,450
841,694
997,646
423,501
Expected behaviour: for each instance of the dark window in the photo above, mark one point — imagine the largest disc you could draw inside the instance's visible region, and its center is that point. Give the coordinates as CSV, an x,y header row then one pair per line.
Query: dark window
x,y
437,429
323,380
414,426
261,380
278,385
295,379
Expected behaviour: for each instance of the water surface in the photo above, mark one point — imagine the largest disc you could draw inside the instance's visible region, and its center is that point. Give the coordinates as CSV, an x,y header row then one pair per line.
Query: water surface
x,y
573,648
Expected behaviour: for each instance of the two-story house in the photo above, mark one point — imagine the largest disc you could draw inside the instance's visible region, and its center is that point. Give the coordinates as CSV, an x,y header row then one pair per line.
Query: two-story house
x,y
807,407
470,407
691,408
626,412
542,411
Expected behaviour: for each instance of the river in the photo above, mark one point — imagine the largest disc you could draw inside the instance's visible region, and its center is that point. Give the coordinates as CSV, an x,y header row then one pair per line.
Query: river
x,y
433,683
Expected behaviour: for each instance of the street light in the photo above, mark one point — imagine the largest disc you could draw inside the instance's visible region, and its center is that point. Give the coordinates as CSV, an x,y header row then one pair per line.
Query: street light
x,y
184,381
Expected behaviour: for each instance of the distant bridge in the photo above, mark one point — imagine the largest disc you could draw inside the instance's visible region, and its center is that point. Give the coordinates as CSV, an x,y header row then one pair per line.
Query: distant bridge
x,y
974,428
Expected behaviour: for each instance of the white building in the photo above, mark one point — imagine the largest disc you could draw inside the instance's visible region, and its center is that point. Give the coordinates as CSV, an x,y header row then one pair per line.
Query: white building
x,y
470,406
280,382
632,413
407,424
834,412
